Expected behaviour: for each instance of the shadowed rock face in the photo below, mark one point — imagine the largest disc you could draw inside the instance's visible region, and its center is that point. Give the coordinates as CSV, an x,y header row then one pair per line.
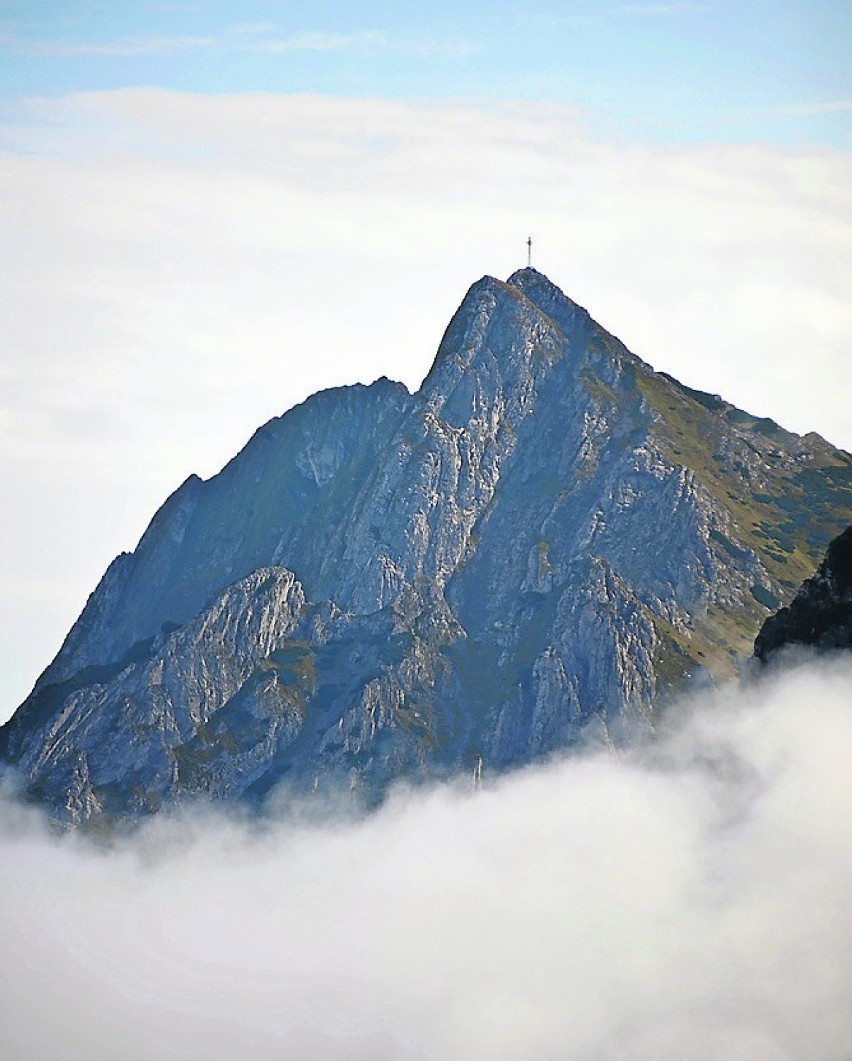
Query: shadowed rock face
x,y
820,614
542,542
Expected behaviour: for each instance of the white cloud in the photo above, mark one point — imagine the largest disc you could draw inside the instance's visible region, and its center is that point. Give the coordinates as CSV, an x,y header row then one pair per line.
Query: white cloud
x,y
180,268
261,36
690,900
834,106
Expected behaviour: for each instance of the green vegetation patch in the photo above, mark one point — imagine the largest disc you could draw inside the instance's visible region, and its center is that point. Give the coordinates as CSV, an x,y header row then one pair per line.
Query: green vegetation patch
x,y
295,661
786,512
764,597
675,657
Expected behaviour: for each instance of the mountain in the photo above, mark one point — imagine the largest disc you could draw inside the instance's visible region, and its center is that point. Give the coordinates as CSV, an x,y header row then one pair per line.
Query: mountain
x,y
536,547
820,615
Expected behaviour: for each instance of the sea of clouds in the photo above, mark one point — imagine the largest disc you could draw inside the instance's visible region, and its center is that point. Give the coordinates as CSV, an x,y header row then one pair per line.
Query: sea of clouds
x,y
689,899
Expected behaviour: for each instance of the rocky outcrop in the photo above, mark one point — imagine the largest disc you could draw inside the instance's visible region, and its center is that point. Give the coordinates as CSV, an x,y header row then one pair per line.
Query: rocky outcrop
x,y
820,615
542,542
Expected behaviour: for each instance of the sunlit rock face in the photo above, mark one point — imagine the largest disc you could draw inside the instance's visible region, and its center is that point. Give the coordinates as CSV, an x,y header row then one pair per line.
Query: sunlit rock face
x,y
820,615
539,546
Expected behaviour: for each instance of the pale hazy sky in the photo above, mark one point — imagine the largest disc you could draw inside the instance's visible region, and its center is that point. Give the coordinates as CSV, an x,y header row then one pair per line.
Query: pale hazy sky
x,y
208,211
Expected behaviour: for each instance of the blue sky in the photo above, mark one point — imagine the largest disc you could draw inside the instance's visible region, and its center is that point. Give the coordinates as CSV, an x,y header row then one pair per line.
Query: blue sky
x,y
677,71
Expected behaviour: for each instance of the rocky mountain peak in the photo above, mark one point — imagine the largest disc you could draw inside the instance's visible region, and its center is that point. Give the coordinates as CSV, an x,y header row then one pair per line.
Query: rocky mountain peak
x,y
538,546
537,287
550,299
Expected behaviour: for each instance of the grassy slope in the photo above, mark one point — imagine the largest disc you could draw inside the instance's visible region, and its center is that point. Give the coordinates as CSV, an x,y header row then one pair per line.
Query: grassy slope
x,y
787,498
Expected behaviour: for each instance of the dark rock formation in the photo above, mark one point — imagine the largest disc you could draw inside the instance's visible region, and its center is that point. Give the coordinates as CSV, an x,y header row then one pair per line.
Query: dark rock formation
x,y
820,614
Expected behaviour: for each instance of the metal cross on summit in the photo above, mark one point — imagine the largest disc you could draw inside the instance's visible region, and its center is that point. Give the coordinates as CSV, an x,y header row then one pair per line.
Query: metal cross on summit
x,y
529,252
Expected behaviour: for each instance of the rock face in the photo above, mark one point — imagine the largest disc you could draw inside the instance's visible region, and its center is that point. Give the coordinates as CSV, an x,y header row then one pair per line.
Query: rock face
x,y
542,542
820,614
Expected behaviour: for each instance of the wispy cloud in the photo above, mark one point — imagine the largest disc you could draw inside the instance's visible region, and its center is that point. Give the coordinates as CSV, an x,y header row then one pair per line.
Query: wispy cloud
x,y
247,36
263,37
319,41
127,46
836,106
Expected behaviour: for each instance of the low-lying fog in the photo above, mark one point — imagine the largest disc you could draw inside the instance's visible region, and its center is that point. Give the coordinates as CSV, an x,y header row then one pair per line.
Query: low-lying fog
x,y
690,900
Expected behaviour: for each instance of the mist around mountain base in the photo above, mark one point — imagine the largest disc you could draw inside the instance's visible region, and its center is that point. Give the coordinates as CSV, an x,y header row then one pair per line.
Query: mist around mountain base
x,y
684,899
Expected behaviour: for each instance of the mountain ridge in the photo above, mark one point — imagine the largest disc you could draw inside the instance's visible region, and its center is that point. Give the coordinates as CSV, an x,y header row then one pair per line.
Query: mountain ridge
x,y
547,537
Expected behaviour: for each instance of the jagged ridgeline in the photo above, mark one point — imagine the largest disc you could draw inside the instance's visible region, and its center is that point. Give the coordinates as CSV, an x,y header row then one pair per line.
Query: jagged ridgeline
x,y
541,543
